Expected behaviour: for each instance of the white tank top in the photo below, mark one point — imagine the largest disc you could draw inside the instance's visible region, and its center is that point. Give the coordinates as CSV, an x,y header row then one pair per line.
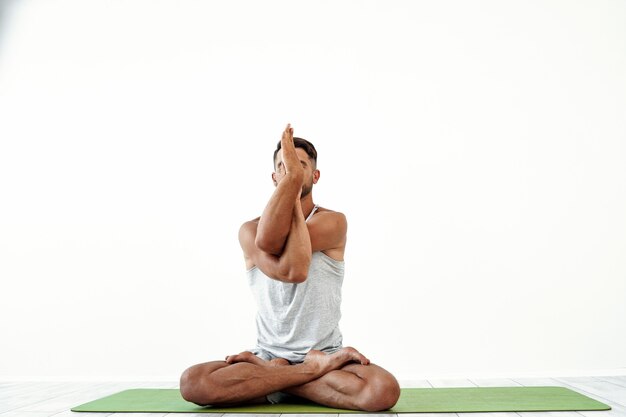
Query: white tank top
x,y
295,318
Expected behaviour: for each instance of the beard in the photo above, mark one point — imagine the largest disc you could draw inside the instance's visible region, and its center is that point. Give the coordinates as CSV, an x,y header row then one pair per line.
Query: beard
x,y
306,190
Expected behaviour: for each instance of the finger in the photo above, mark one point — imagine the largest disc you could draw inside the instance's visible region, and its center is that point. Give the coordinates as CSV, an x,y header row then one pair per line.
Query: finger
x,y
288,133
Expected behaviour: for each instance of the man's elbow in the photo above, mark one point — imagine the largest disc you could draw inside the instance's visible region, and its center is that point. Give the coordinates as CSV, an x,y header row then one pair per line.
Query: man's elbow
x,y
270,246
296,274
297,277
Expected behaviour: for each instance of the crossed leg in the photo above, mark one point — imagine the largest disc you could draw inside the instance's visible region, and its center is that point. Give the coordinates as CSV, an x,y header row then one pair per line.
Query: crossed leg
x,y
355,387
333,380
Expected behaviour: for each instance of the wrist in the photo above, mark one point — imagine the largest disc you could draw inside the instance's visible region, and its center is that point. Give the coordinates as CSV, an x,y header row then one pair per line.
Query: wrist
x,y
296,176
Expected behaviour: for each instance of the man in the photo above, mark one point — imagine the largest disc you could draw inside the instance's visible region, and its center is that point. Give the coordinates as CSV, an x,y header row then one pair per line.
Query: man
x,y
294,261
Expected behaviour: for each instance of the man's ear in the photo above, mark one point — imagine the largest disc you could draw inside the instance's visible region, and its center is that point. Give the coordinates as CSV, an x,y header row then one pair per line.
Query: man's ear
x,y
274,179
316,176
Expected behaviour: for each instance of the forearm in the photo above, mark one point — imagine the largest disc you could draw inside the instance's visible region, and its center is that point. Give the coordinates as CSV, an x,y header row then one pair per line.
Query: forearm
x,y
296,258
276,219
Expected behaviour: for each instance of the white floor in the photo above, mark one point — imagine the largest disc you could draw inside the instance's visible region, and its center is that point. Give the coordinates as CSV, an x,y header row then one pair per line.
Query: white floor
x,y
47,399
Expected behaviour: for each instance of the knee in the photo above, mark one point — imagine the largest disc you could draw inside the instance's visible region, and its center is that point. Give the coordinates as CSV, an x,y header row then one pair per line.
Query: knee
x,y
196,386
188,385
381,393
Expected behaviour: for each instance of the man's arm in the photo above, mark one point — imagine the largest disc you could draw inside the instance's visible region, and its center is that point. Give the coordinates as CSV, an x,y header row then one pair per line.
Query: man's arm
x,y
326,231
293,264
275,222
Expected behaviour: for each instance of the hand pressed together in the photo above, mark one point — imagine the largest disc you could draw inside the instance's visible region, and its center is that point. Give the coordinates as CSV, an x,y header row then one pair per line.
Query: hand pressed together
x,y
291,161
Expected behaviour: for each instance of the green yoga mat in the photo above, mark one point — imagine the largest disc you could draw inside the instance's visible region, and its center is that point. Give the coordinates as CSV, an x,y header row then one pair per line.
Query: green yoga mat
x,y
412,400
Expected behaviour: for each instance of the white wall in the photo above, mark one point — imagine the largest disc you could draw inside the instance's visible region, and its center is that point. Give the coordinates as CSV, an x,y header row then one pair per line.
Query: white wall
x,y
477,148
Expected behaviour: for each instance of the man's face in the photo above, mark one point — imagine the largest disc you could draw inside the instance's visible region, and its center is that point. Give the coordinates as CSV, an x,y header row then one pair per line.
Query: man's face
x,y
311,175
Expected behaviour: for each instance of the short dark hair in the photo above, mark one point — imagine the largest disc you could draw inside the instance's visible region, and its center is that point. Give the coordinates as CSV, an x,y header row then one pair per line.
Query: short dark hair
x,y
301,143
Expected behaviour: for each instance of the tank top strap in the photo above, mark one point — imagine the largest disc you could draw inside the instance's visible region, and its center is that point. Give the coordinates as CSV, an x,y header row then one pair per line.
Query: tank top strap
x,y
312,212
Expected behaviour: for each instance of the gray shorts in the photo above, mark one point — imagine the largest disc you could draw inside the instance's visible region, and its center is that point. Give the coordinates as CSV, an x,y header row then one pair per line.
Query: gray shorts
x,y
264,354
268,356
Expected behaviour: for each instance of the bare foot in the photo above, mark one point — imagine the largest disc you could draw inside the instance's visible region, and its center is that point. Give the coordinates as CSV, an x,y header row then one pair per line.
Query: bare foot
x,y
246,357
350,354
252,358
329,362
279,362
